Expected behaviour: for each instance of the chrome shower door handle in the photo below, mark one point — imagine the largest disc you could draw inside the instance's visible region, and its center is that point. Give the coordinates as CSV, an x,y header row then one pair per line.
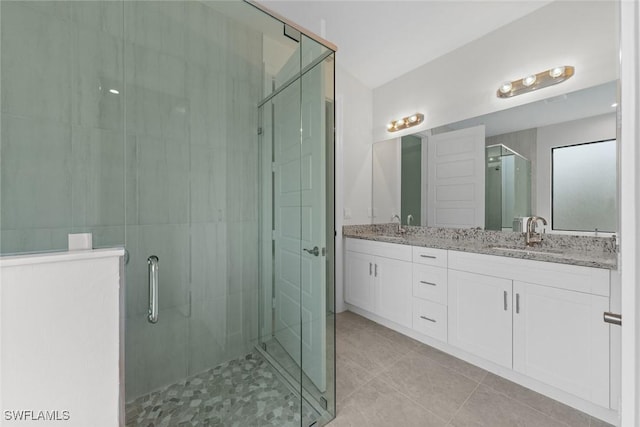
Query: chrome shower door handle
x,y
315,251
152,263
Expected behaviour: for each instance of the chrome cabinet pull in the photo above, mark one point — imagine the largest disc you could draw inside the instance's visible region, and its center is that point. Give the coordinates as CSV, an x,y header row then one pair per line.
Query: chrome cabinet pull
x,y
428,283
152,263
375,270
427,256
370,269
428,318
517,303
505,301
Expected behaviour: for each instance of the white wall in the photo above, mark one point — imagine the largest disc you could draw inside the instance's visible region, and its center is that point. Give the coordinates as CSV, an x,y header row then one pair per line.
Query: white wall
x,y
629,191
353,161
580,131
61,337
463,83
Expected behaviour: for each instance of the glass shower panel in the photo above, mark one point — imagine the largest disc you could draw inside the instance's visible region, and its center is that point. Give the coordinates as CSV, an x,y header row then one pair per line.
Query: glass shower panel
x,y
317,300
193,77
281,249
158,194
62,154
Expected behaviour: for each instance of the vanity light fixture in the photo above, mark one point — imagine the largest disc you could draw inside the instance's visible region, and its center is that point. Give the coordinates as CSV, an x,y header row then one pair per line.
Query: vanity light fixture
x,y
533,82
405,122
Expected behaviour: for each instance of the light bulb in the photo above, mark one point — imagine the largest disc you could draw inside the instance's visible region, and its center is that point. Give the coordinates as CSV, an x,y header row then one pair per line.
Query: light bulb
x,y
390,125
529,80
413,119
556,72
399,122
505,87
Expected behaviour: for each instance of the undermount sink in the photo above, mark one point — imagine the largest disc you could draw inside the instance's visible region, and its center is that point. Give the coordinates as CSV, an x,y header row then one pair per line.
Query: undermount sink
x,y
528,251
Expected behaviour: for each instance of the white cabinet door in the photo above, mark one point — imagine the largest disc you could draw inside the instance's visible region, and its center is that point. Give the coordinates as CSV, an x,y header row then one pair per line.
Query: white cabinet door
x,y
359,280
480,316
560,339
393,290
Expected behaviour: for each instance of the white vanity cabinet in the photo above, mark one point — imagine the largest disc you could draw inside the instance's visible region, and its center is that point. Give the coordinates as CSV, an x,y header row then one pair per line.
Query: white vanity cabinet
x,y
480,315
378,279
359,280
560,339
536,323
547,315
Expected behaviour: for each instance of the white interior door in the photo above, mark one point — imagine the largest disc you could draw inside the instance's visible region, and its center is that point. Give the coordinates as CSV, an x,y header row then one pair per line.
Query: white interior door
x,y
456,178
313,211
300,224
287,227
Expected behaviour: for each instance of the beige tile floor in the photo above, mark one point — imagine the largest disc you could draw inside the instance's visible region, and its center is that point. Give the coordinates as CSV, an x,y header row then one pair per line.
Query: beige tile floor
x,y
387,379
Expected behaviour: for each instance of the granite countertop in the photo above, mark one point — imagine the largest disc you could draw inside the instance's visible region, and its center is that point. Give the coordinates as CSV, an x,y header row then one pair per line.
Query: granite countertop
x,y
597,252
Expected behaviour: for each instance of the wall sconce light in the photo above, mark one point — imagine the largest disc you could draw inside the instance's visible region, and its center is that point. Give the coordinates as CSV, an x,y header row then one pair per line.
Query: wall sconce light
x,y
405,122
533,82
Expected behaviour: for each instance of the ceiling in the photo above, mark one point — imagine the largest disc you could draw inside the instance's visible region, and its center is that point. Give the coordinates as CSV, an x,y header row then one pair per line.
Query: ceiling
x,y
379,41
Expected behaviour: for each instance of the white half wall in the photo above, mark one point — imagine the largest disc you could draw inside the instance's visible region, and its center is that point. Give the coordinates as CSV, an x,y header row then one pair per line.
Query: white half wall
x,y
462,84
353,162
60,330
590,129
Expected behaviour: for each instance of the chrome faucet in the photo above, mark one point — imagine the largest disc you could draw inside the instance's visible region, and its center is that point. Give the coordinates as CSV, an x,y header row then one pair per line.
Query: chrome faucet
x,y
531,237
400,229
409,219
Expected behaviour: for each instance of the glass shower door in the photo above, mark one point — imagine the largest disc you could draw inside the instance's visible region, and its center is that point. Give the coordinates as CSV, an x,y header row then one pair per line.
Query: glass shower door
x,y
297,324
281,251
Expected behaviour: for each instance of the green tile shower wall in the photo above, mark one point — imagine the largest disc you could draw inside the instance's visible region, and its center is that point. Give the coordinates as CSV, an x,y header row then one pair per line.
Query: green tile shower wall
x,y
167,167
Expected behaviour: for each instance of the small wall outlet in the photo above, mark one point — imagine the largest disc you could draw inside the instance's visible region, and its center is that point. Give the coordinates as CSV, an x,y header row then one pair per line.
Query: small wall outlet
x,y
347,213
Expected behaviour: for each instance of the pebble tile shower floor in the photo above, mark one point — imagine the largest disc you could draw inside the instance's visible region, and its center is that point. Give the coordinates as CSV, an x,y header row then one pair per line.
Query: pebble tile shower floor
x,y
244,392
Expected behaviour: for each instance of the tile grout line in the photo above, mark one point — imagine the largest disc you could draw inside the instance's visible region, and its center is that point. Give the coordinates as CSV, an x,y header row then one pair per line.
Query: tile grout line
x,y
403,394
453,369
480,382
531,407
463,403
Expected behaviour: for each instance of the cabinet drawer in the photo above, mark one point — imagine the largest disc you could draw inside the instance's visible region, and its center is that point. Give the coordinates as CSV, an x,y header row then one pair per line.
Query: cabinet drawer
x,y
430,256
381,249
430,319
430,283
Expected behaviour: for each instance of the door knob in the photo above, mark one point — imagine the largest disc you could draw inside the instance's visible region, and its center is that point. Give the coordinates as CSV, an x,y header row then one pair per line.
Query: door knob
x,y
315,251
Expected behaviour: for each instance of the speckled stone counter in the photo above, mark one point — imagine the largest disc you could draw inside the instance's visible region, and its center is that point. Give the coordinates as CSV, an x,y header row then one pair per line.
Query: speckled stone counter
x,y
598,252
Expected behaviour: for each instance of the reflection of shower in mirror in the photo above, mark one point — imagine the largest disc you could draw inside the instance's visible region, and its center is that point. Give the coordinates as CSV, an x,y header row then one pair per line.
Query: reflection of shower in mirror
x,y
507,187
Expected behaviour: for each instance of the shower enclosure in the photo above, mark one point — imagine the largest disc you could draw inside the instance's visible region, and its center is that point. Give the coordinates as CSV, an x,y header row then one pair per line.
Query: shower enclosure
x,y
508,187
199,133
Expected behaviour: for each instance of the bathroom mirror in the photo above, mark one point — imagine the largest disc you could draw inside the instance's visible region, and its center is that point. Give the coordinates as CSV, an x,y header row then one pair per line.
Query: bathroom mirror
x,y
517,158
